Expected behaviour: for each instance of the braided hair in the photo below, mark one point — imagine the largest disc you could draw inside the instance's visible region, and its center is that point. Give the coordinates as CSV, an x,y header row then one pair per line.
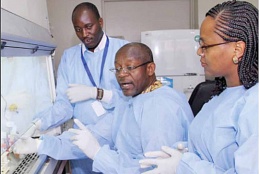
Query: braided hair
x,y
238,21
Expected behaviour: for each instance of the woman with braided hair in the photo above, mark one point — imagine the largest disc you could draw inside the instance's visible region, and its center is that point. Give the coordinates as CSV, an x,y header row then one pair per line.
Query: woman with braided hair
x,y
223,137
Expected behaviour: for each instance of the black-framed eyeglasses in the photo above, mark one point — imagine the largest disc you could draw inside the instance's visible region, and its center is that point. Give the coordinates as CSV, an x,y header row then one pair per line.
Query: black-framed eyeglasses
x,y
128,68
205,47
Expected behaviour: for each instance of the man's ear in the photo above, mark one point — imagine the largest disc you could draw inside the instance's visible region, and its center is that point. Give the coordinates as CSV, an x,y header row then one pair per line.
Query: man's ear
x,y
101,22
240,49
151,67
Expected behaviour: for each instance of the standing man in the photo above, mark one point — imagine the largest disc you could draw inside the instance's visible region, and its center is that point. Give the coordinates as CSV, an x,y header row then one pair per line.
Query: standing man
x,y
84,68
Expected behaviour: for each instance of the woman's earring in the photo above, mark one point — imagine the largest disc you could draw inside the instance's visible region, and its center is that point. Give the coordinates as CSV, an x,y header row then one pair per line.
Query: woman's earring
x,y
235,60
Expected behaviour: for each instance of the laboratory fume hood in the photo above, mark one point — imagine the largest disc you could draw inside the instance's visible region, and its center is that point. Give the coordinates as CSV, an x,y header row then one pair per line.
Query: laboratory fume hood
x,y
27,88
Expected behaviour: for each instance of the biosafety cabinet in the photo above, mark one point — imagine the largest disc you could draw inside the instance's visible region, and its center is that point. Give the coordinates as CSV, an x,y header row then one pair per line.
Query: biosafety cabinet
x,y
27,88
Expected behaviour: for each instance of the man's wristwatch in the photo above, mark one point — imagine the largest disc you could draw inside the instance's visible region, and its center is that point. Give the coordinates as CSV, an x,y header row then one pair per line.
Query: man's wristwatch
x,y
99,94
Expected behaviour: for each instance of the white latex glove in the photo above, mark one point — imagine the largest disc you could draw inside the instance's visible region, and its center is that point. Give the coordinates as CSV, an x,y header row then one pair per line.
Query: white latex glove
x,y
34,126
26,145
166,161
77,92
85,140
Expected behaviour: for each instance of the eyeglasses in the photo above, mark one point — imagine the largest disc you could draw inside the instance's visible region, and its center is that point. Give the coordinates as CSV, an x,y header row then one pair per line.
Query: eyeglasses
x,y
205,47
127,69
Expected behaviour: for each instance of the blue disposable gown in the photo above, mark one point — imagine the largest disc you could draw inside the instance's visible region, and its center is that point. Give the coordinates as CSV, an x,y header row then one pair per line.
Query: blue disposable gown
x,y
71,70
144,123
140,124
223,137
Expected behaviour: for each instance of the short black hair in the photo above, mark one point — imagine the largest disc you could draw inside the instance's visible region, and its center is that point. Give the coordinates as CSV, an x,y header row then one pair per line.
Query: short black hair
x,y
139,51
88,6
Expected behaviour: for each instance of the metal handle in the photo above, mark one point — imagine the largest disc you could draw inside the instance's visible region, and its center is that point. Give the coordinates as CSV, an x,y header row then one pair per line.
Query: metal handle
x,y
190,74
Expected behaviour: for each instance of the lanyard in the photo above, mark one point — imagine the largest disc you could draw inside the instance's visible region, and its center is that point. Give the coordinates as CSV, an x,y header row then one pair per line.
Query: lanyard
x,y
102,65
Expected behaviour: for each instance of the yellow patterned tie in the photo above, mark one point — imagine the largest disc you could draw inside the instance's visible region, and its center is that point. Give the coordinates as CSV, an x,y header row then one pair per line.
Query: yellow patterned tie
x,y
155,85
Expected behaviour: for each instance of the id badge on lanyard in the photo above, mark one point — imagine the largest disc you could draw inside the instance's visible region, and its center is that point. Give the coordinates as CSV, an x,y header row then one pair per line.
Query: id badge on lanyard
x,y
96,105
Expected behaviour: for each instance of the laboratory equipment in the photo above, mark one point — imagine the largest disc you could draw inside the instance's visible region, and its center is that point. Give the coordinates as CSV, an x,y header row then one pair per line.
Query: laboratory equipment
x,y
27,88
175,56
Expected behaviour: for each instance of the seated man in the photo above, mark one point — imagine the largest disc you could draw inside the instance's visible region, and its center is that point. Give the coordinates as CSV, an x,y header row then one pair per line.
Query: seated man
x,y
150,116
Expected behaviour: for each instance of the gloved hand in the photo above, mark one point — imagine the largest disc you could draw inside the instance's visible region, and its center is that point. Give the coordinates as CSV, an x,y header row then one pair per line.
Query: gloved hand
x,y
26,146
34,126
77,92
85,140
166,161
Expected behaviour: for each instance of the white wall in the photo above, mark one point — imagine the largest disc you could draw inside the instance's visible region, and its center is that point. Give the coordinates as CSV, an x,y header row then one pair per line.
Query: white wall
x,y
130,23
32,10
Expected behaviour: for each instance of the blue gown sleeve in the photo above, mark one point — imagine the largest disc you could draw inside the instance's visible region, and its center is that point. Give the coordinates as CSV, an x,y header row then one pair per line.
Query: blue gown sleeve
x,y
166,124
102,130
246,157
62,110
117,95
60,147
111,161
